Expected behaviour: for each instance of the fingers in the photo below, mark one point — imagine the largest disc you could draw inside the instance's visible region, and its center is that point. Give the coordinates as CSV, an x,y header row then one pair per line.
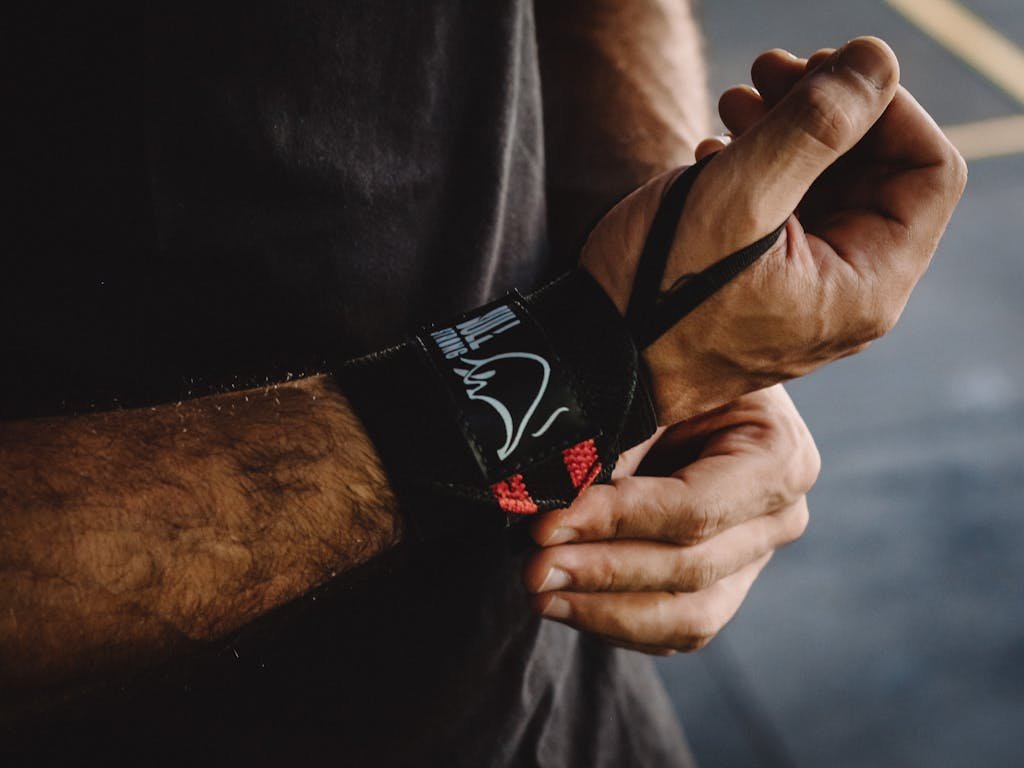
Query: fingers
x,y
757,457
711,145
703,499
654,620
909,138
820,118
774,74
740,108
888,223
819,57
904,208
644,566
661,564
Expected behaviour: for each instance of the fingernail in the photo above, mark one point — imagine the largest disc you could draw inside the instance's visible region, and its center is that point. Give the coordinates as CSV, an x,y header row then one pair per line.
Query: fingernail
x,y
556,579
865,57
557,608
562,535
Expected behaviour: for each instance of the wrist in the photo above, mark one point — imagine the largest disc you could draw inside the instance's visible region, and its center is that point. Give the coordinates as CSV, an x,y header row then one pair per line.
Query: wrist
x,y
689,365
685,380
355,480
611,253
517,405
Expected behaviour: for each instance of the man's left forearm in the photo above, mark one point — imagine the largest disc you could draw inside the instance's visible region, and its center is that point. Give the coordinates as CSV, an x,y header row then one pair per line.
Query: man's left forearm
x,y
625,99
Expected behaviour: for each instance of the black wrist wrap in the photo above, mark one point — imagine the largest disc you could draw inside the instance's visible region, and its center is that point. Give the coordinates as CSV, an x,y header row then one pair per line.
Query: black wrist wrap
x,y
523,403
519,404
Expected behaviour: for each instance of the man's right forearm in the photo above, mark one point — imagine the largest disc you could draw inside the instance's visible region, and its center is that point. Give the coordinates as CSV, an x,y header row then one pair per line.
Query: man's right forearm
x,y
126,537
625,99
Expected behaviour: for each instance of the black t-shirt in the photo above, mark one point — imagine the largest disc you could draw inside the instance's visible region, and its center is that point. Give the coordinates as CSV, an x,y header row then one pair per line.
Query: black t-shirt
x,y
216,194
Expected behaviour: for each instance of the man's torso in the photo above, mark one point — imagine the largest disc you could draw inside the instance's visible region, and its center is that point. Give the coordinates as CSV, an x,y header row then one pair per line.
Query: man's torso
x,y
220,196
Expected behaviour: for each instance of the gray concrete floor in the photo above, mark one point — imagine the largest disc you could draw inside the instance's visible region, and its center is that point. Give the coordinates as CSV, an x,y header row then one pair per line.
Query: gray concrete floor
x,y
892,634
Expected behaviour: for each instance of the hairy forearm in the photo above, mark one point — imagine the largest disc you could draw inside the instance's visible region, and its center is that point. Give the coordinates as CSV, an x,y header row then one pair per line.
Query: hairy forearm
x,y
625,99
128,536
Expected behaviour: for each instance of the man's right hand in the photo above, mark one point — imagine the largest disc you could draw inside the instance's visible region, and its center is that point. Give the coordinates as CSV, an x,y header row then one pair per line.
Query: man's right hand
x,y
866,183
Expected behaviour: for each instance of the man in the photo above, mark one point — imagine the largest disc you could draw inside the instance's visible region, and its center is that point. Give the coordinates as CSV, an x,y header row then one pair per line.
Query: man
x,y
226,197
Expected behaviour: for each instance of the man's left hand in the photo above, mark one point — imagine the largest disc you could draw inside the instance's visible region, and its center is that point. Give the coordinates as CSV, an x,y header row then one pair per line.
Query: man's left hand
x,y
661,562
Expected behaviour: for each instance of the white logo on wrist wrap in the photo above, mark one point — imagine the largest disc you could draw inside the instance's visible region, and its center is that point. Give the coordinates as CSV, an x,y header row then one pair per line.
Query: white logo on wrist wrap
x,y
483,372
502,366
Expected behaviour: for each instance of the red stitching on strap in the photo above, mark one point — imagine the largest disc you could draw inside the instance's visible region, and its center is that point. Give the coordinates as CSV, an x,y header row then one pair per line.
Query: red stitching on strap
x,y
513,497
581,463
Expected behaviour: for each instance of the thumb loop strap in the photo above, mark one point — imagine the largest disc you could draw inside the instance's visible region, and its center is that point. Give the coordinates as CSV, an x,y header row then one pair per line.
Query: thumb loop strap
x,y
651,313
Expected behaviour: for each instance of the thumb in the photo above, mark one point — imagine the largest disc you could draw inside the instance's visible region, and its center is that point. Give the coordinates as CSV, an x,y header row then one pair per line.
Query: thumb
x,y
769,168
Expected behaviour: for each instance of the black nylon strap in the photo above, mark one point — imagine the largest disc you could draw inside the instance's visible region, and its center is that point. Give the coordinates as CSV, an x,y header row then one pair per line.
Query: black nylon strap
x,y
650,314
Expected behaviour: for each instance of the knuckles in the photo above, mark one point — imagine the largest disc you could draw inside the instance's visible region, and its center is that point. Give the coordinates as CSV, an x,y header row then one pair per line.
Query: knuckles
x,y
797,518
806,462
958,172
822,119
603,574
880,323
693,574
696,634
700,520
874,318
794,448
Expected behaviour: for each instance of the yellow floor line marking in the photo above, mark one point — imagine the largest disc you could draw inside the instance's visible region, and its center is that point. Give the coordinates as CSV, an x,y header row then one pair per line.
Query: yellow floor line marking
x,y
970,38
995,137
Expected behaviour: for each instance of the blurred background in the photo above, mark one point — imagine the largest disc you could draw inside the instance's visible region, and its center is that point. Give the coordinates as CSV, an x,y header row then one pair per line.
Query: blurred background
x,y
892,634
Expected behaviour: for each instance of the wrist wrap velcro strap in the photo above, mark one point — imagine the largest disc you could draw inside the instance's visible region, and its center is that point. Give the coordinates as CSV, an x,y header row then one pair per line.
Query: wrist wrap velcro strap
x,y
519,404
